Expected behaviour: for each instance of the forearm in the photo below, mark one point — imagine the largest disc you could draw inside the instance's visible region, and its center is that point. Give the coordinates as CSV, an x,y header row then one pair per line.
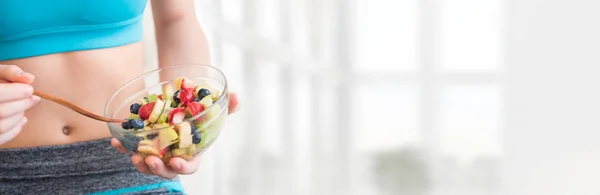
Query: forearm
x,y
181,41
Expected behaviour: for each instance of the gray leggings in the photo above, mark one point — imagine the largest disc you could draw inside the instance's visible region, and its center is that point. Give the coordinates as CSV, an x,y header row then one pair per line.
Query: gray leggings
x,y
93,167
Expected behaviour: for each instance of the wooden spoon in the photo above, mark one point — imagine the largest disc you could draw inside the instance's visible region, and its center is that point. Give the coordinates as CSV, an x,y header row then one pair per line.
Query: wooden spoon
x,y
76,108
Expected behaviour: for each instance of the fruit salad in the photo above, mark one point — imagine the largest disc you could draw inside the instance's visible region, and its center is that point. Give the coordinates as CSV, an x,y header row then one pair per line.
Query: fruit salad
x,y
169,125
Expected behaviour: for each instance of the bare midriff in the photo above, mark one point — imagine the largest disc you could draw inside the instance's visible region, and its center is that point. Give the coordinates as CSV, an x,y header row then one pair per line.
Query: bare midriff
x,y
86,78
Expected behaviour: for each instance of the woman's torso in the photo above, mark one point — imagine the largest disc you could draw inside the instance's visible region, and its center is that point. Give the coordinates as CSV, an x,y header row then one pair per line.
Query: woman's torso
x,y
86,76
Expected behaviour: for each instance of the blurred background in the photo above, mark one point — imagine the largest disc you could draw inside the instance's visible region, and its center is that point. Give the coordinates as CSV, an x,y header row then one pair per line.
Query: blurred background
x,y
404,97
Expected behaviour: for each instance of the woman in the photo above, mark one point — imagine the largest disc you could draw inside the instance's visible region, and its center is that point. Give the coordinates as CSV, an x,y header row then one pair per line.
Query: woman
x,y
83,51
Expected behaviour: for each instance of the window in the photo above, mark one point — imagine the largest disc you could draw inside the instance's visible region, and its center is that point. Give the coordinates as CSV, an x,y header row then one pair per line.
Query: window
x,y
356,97
386,35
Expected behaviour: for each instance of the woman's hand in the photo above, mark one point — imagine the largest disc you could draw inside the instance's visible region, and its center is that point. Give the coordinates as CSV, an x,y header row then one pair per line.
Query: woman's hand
x,y
16,96
155,166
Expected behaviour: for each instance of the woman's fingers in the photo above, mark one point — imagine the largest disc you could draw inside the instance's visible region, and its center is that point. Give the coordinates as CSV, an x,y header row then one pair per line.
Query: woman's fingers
x,y
16,96
158,167
185,167
12,73
13,132
234,104
10,108
15,91
8,123
140,164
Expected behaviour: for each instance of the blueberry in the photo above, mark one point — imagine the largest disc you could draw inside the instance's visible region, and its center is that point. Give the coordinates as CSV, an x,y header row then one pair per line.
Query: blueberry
x,y
136,123
176,97
134,108
196,138
125,125
194,129
196,99
203,93
152,136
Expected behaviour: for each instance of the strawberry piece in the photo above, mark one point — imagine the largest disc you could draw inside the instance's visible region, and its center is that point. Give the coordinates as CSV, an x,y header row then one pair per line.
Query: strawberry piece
x,y
187,84
182,85
160,97
173,112
176,115
163,152
178,118
186,95
193,108
145,110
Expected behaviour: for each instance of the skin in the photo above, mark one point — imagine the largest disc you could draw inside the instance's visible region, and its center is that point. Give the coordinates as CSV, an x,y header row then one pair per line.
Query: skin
x,y
88,78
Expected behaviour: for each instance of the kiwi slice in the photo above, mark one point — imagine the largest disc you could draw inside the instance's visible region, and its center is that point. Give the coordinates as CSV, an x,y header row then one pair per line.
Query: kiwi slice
x,y
152,98
134,116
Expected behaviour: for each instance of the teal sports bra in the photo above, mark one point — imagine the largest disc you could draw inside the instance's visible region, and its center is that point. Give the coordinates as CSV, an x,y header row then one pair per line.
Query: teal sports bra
x,y
39,27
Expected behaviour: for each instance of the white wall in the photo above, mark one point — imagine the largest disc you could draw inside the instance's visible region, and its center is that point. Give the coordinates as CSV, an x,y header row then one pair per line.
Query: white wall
x,y
552,136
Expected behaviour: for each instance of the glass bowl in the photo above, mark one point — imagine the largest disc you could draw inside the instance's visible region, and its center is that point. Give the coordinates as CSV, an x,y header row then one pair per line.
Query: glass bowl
x,y
169,111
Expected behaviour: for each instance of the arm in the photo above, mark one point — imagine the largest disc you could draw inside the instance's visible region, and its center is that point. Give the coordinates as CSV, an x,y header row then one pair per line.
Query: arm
x,y
179,37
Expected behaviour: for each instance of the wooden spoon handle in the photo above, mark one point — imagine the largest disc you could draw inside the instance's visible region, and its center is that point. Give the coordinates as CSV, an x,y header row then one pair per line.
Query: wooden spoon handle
x,y
76,108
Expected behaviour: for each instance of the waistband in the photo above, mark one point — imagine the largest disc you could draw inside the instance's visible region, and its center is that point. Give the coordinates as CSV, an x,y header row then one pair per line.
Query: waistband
x,y
83,158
